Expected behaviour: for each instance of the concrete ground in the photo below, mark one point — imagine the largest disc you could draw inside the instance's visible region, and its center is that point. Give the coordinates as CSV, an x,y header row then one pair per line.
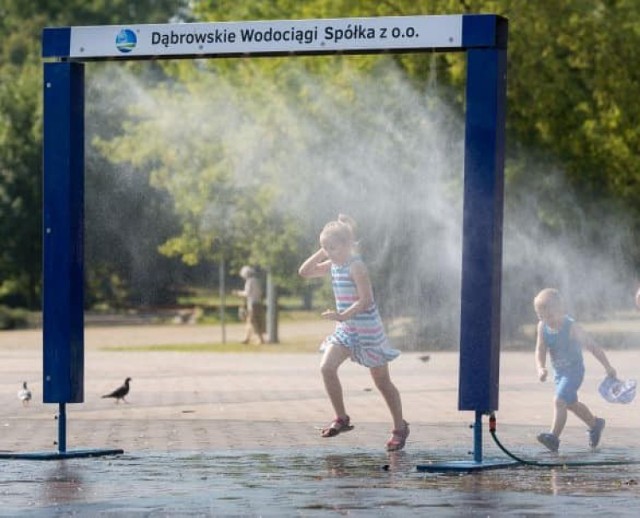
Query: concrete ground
x,y
221,434
264,399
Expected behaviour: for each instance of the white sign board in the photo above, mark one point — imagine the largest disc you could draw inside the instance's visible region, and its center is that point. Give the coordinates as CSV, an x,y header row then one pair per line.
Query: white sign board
x,y
268,37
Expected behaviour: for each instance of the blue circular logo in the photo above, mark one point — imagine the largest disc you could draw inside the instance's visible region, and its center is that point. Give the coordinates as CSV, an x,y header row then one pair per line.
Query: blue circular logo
x,y
126,40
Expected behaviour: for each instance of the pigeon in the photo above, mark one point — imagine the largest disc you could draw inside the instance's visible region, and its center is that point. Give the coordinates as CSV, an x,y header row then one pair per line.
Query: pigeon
x,y
120,392
24,394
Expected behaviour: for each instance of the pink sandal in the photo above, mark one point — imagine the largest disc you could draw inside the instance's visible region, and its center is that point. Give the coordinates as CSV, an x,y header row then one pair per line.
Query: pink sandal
x,y
398,438
337,426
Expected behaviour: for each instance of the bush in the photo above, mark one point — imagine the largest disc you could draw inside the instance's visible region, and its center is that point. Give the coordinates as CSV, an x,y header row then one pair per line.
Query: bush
x,y
13,318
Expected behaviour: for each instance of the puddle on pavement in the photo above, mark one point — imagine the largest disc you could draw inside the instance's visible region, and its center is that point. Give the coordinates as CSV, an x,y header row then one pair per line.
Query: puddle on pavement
x,y
309,482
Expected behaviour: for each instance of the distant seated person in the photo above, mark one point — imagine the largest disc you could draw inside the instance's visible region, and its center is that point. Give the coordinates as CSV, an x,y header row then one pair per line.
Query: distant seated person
x,y
255,310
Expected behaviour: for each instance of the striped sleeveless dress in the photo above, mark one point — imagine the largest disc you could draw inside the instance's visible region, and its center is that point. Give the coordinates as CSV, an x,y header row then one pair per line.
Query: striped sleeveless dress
x,y
364,333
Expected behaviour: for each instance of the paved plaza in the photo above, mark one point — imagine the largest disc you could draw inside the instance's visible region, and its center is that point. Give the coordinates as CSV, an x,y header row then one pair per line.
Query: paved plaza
x,y
263,398
237,434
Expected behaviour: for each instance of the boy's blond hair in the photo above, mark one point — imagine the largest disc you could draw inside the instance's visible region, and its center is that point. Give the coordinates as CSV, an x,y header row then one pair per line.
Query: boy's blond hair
x,y
548,298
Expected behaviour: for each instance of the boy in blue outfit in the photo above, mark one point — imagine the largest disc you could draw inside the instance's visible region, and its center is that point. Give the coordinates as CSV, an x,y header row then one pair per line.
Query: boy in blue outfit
x,y
558,333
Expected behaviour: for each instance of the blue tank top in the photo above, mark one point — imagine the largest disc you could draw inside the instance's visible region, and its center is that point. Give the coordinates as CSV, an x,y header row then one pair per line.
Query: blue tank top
x,y
565,352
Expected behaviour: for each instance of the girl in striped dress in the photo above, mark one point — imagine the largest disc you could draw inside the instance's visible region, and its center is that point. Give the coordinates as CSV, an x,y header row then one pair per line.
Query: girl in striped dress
x,y
359,333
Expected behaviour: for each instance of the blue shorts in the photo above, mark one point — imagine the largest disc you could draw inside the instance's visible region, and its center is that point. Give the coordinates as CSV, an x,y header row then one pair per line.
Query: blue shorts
x,y
567,385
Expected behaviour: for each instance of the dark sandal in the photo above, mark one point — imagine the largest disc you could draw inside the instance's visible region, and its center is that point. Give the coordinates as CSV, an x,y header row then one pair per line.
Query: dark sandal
x,y
337,426
398,438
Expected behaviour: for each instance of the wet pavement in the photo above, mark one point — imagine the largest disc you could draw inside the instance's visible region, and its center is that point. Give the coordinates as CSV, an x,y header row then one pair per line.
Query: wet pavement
x,y
307,482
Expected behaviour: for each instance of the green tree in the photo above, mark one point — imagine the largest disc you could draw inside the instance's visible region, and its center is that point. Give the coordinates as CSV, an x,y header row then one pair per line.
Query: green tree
x,y
20,170
572,84
571,113
21,24
226,199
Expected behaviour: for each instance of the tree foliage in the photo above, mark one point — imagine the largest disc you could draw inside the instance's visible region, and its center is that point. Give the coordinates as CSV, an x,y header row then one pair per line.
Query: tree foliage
x,y
21,24
186,189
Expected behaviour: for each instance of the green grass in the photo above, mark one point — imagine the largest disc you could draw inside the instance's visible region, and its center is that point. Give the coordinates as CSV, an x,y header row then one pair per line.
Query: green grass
x,y
211,298
618,332
302,345
290,315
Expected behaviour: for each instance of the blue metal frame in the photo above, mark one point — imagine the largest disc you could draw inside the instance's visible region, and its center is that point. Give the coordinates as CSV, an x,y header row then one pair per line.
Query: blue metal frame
x,y
63,244
484,38
482,227
63,233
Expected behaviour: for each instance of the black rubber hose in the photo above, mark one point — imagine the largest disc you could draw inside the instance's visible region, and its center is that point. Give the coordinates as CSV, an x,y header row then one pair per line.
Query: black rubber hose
x,y
492,431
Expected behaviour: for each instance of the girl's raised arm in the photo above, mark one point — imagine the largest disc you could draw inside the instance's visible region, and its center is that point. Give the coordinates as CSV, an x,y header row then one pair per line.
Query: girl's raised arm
x,y
315,266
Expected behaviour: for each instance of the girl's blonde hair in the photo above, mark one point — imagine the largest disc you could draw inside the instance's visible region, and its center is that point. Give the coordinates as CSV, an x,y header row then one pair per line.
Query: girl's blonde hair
x,y
341,230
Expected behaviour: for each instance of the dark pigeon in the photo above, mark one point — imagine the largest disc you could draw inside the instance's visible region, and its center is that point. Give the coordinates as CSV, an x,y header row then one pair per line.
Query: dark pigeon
x,y
120,392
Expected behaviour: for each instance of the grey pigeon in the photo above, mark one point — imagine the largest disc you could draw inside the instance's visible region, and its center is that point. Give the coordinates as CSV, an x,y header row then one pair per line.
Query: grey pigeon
x,y
24,394
120,392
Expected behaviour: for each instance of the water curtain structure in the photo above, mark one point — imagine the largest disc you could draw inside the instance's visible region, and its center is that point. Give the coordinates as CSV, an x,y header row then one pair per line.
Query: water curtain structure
x,y
66,50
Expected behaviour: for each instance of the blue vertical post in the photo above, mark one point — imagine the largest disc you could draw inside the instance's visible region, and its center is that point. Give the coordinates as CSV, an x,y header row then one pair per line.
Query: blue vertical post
x,y
482,223
63,238
62,427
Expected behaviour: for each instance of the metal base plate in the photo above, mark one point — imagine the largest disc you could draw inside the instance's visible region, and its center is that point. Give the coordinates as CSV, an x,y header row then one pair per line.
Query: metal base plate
x,y
465,466
55,455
